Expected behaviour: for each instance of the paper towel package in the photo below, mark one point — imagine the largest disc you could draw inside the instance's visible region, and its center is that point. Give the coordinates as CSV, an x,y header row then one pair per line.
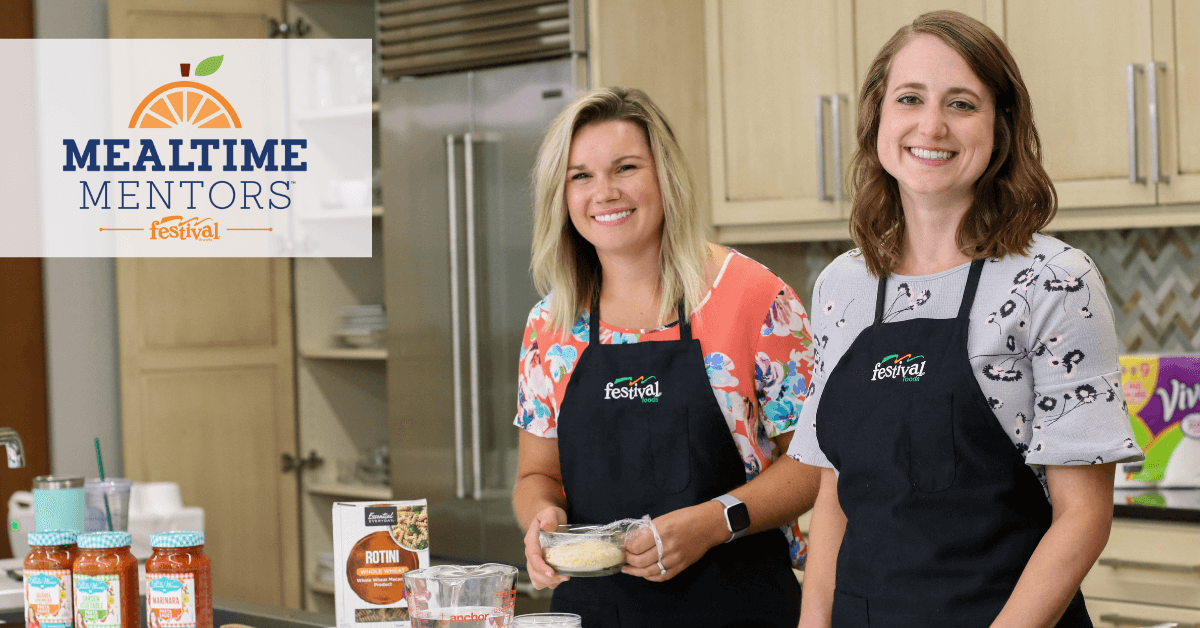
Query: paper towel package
x,y
1163,396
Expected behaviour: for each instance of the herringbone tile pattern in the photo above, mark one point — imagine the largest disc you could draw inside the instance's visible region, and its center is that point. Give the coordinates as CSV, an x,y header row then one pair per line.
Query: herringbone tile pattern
x,y
1153,282
1152,277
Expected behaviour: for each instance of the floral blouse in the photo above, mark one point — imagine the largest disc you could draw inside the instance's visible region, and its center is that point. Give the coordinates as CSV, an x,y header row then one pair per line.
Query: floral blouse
x,y
757,349
1041,343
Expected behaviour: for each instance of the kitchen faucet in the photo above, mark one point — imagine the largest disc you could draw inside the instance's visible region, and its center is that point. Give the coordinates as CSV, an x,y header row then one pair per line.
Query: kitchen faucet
x,y
16,449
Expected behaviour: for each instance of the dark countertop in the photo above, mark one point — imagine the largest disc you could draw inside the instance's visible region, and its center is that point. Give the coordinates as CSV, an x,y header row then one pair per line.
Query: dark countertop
x,y
1177,505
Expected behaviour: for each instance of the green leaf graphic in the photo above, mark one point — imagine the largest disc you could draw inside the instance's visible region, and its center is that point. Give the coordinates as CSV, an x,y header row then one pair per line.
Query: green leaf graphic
x,y
209,65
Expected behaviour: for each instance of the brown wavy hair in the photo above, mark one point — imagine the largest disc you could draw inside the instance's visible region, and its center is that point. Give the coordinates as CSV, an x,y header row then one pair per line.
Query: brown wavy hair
x,y
1014,197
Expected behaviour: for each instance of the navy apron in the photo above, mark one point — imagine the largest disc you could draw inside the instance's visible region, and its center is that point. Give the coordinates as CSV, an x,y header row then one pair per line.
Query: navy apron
x,y
641,433
942,512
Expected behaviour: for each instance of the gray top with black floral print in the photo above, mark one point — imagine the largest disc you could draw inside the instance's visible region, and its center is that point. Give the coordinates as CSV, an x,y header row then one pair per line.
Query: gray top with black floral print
x,y
1041,342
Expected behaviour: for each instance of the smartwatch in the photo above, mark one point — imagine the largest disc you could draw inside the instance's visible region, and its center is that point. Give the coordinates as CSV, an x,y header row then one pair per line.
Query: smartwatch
x,y
737,516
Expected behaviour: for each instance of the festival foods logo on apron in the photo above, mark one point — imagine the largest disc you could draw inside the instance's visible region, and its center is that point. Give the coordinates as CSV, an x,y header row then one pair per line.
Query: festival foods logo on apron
x,y
644,388
905,367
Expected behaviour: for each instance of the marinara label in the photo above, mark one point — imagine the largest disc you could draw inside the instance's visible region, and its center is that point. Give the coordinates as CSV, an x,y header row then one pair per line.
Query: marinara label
x,y
171,600
48,597
98,599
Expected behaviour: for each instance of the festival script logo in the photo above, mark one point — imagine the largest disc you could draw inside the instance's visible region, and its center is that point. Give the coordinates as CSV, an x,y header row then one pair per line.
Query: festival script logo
x,y
904,367
644,388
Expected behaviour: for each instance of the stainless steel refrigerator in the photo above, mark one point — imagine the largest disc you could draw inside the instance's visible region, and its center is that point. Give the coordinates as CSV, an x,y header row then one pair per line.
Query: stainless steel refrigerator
x,y
457,156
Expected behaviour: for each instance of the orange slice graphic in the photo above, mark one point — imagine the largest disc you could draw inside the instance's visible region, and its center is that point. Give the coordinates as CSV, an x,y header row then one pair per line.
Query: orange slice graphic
x,y
184,103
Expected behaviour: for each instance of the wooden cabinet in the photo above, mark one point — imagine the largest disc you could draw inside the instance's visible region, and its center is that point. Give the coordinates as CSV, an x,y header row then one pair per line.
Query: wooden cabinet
x,y
1086,70
1075,64
769,63
783,81
1176,28
1146,575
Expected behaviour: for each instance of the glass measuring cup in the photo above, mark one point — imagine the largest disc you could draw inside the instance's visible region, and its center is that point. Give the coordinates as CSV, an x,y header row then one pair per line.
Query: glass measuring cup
x,y
475,596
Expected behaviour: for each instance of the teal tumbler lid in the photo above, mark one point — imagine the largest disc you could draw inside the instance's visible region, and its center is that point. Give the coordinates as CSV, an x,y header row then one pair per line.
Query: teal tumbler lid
x,y
104,540
177,538
52,538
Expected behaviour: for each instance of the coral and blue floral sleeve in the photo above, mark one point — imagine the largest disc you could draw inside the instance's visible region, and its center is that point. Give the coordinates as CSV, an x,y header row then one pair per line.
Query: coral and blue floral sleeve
x,y
783,364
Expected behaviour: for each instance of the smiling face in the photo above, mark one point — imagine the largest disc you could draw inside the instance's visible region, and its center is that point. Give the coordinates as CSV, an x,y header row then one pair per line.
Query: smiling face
x,y
936,124
612,191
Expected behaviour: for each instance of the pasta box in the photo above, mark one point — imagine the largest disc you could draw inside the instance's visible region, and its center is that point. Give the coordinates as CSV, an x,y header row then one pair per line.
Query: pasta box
x,y
374,545
1163,397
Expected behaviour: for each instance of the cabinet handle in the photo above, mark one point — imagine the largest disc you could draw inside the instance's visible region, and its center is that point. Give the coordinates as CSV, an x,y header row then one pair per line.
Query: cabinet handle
x,y
455,318
1122,620
1131,71
1152,68
822,193
289,463
835,110
1117,563
472,315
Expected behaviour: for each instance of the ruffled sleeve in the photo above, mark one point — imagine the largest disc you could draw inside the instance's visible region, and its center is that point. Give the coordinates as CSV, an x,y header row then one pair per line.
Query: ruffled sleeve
x,y
1079,414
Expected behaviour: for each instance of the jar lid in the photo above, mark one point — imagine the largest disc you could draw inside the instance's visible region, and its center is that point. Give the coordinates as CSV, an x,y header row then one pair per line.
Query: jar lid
x,y
56,482
51,538
177,538
104,540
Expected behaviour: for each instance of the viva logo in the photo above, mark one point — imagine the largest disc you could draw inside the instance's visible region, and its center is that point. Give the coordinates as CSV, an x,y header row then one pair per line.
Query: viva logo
x,y
43,581
165,585
903,367
644,388
90,586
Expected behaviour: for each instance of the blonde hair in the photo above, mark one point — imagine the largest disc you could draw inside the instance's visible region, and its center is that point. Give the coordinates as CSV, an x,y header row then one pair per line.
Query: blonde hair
x,y
564,264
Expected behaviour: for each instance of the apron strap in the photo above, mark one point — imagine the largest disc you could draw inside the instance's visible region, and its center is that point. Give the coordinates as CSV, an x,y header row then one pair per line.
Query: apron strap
x,y
594,321
964,308
879,300
685,325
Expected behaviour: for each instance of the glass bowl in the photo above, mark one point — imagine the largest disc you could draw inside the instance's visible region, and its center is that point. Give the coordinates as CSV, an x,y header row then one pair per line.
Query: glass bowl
x,y
584,550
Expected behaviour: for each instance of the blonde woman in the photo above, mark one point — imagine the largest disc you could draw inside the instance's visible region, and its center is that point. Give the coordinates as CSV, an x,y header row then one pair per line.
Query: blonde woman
x,y
659,374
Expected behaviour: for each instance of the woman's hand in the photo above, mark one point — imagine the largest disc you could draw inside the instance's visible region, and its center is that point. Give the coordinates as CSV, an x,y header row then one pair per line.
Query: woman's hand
x,y
686,535
540,573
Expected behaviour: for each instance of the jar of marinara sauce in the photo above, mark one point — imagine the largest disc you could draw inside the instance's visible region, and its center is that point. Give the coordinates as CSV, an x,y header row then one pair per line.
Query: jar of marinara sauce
x,y
178,582
106,582
48,593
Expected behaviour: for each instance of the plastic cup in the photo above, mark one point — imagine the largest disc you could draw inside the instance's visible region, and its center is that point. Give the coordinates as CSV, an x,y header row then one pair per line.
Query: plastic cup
x,y
547,620
116,492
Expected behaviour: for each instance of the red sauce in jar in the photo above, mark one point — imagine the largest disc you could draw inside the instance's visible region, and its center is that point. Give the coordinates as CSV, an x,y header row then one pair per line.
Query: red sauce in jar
x,y
178,582
106,583
48,593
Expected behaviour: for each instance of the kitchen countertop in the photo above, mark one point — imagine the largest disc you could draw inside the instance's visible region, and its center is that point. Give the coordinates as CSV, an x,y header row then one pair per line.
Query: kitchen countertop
x,y
1177,505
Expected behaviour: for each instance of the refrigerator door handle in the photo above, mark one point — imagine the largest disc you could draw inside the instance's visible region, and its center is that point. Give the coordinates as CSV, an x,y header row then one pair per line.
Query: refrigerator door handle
x,y
473,316
455,317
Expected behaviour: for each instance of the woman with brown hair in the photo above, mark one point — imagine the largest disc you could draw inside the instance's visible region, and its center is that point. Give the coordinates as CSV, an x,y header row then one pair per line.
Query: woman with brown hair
x,y
966,404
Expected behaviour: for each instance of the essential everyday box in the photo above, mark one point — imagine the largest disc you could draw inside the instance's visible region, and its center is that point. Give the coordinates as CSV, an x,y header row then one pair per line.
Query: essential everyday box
x,y
374,545
1163,395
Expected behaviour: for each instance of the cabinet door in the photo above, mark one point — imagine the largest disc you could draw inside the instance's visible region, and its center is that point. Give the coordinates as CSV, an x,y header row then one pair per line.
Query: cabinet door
x,y
1177,45
207,402
1074,61
1110,614
1149,562
183,19
768,60
875,21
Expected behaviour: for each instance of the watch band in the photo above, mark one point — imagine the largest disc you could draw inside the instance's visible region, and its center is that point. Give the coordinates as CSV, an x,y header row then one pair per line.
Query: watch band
x,y
729,501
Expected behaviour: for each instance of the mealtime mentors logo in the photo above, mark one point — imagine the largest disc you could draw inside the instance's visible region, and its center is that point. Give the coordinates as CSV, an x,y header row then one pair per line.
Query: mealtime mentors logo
x,y
644,388
899,366
186,106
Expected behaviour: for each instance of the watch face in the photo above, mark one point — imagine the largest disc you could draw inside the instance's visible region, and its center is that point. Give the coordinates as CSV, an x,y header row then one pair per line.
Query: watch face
x,y
738,516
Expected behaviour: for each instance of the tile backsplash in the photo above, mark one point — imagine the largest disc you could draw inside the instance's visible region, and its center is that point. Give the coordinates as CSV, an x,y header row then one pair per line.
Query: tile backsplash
x,y
1152,277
